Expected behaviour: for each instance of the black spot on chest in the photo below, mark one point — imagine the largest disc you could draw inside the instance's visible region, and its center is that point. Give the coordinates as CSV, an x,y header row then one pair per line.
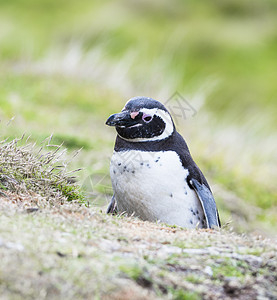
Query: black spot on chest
x,y
157,160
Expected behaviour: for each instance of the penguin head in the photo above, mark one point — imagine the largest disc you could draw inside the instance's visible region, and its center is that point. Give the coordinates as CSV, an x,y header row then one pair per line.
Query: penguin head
x,y
142,119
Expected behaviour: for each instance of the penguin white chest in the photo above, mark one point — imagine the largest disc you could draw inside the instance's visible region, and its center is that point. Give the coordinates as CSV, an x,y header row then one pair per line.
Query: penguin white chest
x,y
153,186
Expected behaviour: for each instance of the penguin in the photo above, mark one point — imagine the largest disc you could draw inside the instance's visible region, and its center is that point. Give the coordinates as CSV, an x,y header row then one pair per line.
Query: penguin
x,y
152,171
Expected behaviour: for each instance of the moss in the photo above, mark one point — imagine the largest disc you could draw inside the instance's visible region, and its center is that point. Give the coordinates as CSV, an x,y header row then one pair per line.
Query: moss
x,y
180,294
230,268
194,279
133,271
71,192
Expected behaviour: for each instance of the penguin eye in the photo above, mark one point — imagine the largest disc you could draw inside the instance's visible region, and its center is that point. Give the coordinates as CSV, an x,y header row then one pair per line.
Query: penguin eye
x,y
146,118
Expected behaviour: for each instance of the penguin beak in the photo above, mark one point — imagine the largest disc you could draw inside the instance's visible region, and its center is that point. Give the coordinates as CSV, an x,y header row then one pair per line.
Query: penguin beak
x,y
122,119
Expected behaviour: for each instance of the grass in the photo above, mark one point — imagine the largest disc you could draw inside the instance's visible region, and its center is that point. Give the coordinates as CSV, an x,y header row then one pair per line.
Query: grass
x,y
25,169
65,67
75,252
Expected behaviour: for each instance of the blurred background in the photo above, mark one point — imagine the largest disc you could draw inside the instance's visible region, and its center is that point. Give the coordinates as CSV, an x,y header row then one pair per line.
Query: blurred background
x,y
67,65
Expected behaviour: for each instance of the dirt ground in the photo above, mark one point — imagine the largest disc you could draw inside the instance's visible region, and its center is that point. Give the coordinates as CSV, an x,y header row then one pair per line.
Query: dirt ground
x,y
73,252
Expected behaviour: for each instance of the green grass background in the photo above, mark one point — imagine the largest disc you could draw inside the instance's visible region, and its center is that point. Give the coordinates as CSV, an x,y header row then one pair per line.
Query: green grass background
x,y
67,65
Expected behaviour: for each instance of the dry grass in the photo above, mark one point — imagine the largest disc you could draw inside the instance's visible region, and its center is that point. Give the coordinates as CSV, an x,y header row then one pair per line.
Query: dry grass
x,y
26,168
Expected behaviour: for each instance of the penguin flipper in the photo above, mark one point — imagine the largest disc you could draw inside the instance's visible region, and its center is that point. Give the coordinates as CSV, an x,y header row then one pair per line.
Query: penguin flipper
x,y
112,209
208,203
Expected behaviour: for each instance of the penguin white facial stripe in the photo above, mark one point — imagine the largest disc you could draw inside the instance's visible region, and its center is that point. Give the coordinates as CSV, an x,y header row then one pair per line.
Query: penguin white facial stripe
x,y
165,116
136,125
169,128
